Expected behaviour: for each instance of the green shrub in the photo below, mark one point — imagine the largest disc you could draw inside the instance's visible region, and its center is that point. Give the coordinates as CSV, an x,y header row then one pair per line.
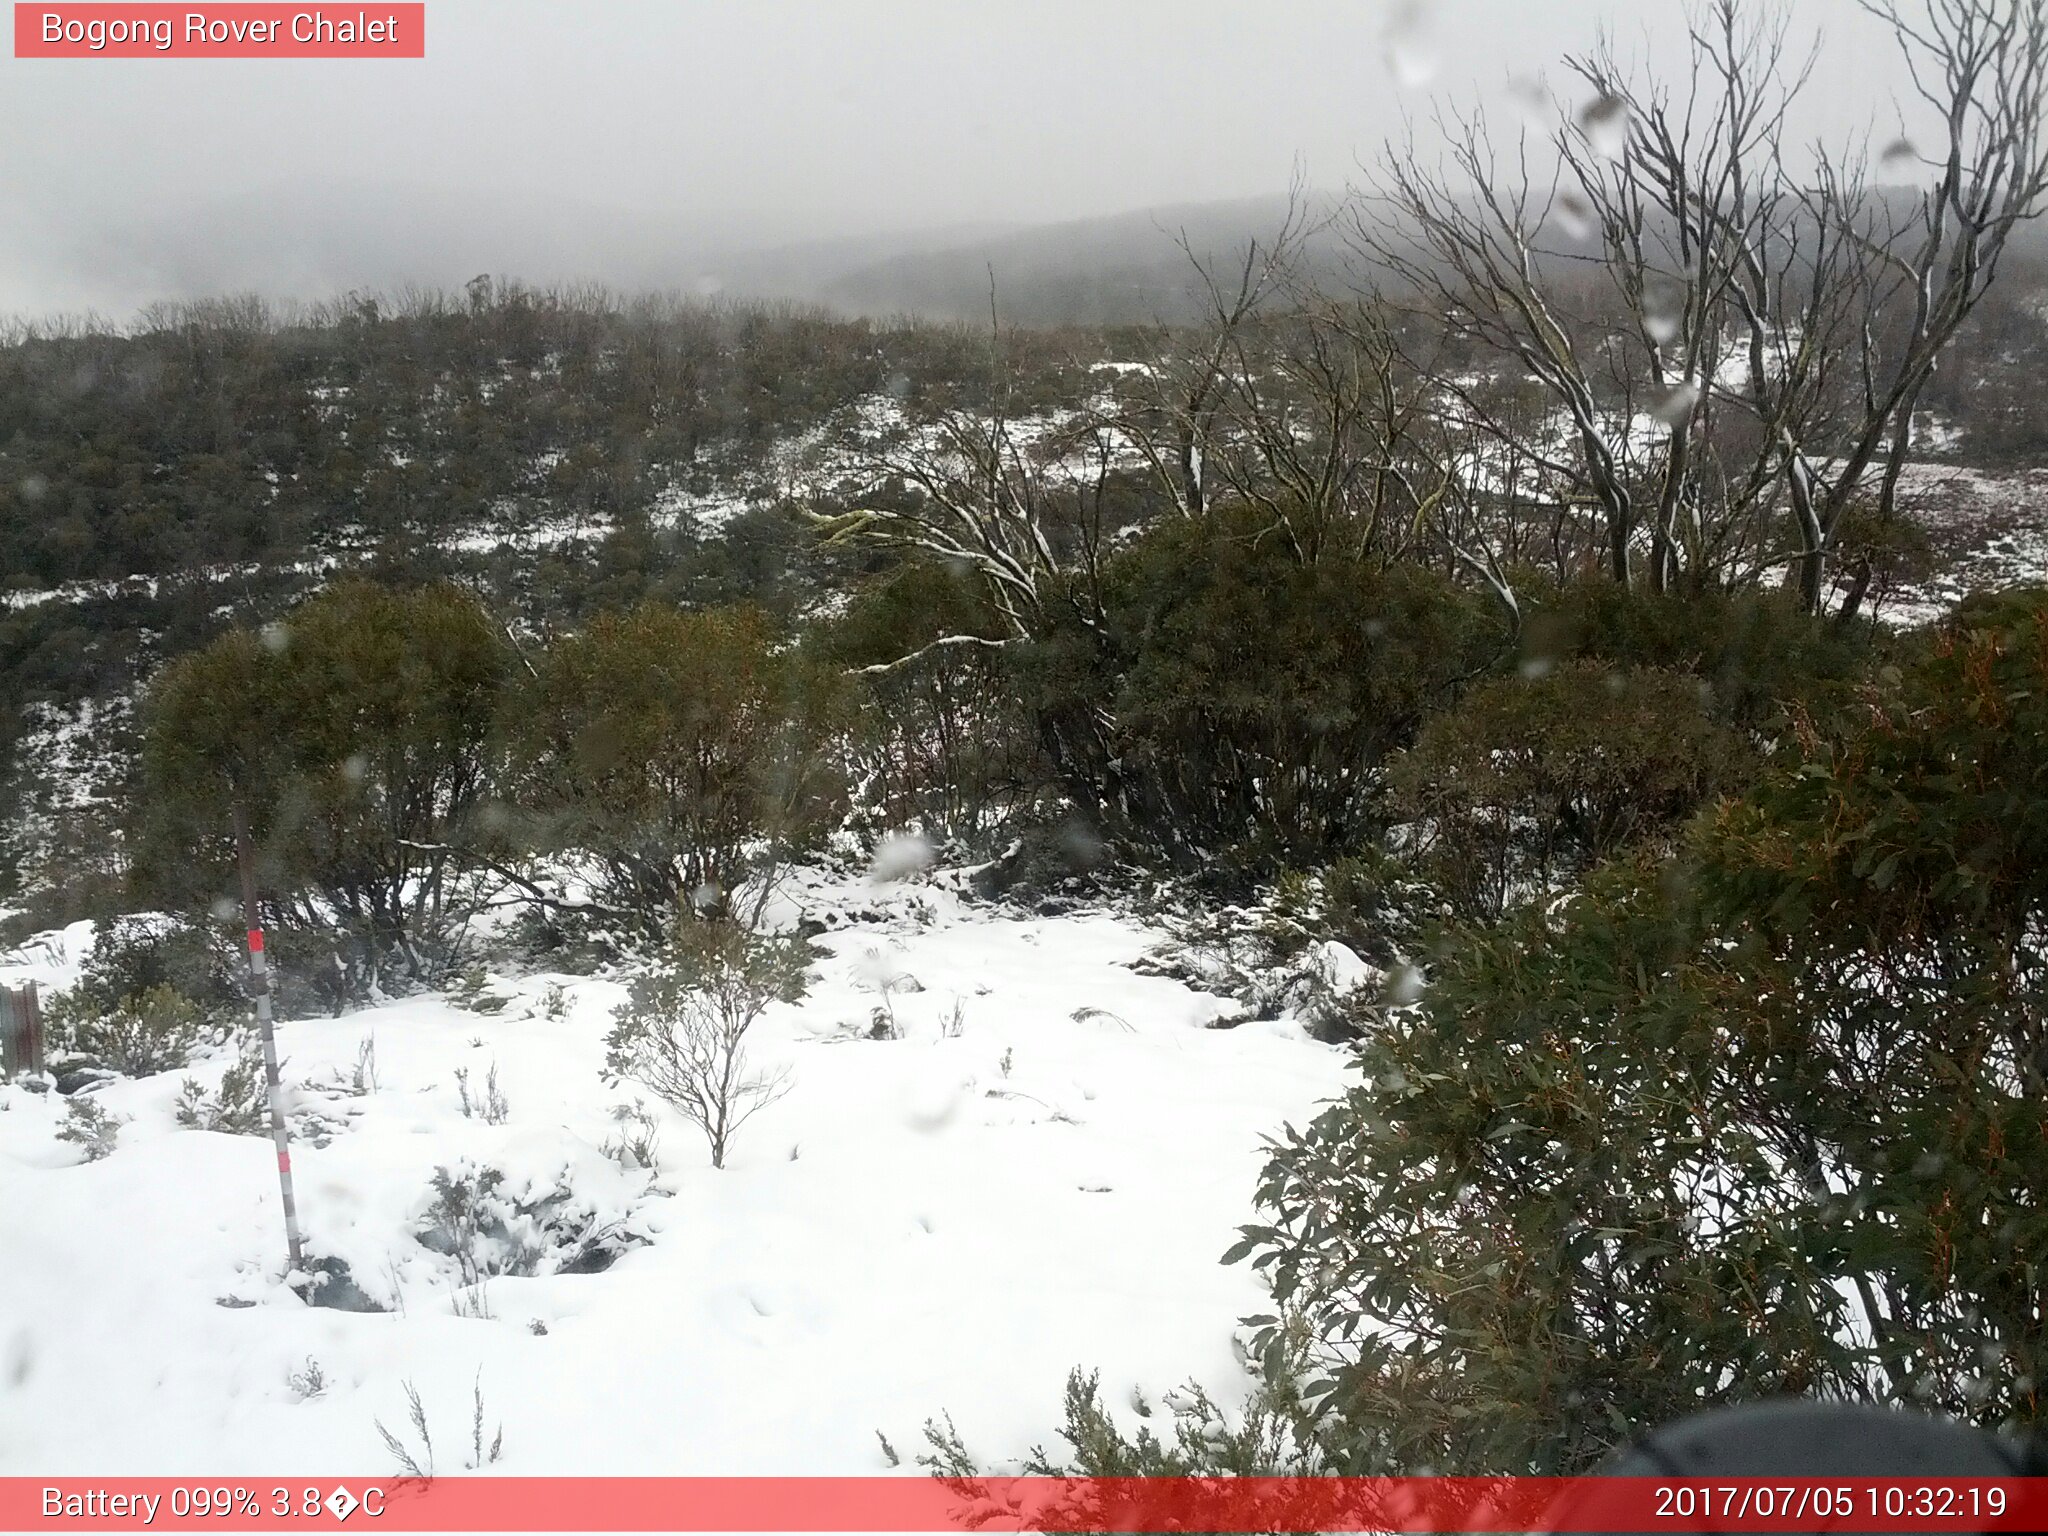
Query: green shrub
x,y
1235,706
1756,649
675,749
939,740
90,1128
240,1107
1529,780
153,1031
1762,1119
132,955
358,736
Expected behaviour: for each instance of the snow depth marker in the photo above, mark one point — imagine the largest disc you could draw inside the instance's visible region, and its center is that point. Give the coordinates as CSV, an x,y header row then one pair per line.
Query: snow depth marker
x,y
259,987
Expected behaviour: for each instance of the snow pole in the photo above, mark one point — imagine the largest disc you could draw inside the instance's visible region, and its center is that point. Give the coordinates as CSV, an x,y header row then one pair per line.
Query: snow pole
x,y
259,988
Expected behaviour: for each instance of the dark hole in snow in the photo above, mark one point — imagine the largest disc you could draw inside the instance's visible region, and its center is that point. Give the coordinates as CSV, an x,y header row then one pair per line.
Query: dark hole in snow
x,y
333,1287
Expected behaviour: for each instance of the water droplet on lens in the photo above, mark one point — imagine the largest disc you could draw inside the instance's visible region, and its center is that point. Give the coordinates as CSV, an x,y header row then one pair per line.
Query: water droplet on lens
x,y
1573,216
1605,124
1406,44
1531,98
1677,405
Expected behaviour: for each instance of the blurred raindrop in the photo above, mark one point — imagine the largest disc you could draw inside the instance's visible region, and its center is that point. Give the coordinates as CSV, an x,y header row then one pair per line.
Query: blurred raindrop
x,y
930,1103
20,1359
355,768
710,285
1898,153
275,638
224,909
34,487
1675,407
1531,98
900,855
1573,216
1406,44
1663,310
1404,985
1604,121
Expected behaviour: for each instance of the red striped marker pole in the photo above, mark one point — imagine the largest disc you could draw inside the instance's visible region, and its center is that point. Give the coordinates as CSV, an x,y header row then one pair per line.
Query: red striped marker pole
x,y
259,987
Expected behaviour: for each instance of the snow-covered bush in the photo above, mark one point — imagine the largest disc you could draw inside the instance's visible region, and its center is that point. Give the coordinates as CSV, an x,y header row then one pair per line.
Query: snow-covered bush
x,y
240,1107
1267,963
473,989
136,954
492,1223
682,1031
633,1146
153,1031
151,991
90,1128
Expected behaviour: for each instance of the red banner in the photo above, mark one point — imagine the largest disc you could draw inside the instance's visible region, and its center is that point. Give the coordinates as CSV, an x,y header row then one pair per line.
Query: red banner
x,y
243,31
921,1504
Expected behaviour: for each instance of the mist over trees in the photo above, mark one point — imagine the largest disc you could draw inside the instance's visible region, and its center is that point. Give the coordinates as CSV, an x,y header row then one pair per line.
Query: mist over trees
x,y
1479,574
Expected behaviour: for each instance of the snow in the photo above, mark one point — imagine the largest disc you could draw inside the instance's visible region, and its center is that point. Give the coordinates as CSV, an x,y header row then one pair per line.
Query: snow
x,y
1041,1172
1989,529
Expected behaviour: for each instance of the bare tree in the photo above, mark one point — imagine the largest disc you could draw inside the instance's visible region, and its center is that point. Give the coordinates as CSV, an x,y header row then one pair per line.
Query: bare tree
x,y
1981,67
683,1030
1729,346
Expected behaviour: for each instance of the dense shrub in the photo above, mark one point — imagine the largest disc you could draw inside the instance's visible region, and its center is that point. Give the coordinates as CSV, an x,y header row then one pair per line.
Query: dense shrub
x,y
154,1030
1761,1120
359,739
1529,780
1234,707
132,955
1756,649
676,750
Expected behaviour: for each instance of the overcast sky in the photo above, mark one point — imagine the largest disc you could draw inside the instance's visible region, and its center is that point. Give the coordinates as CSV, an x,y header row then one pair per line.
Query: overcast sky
x,y
622,137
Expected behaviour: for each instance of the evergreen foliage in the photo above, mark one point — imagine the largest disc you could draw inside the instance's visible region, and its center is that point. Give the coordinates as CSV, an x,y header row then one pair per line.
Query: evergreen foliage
x,y
677,750
1763,1119
359,737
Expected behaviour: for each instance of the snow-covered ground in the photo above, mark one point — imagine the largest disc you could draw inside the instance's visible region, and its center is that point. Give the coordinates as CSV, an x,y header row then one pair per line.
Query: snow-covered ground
x,y
1989,530
1041,1172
